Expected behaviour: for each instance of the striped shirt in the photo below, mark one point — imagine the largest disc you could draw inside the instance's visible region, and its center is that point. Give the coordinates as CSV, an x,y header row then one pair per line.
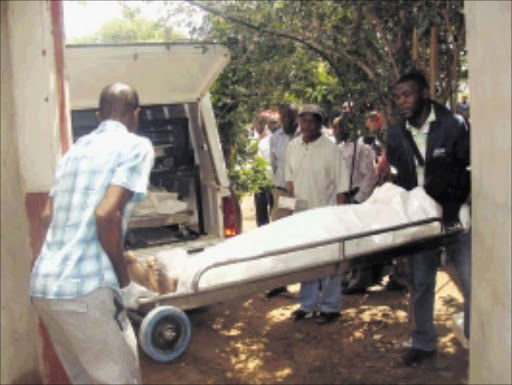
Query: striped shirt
x,y
278,143
72,261
365,171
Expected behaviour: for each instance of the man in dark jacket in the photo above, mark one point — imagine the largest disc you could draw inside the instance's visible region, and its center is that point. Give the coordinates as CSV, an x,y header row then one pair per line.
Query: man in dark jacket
x,y
429,147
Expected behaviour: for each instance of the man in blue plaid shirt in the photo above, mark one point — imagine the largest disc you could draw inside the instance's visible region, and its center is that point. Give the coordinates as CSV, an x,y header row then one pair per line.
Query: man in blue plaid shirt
x,y
80,284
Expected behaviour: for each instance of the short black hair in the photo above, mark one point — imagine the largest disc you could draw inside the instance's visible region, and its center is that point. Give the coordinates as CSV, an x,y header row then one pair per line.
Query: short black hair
x,y
288,106
415,76
117,100
334,113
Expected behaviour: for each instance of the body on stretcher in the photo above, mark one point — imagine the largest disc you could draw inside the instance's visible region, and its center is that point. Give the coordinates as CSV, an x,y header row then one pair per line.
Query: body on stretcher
x,y
305,246
390,217
205,295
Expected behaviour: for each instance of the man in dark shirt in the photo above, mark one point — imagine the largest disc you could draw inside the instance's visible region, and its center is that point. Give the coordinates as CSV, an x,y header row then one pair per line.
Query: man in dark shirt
x,y
429,147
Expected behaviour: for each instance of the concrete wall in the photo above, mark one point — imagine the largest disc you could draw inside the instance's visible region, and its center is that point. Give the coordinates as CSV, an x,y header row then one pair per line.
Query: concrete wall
x,y
19,357
30,36
489,48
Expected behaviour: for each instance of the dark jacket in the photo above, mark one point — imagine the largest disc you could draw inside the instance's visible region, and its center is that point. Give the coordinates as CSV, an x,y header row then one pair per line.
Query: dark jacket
x,y
446,176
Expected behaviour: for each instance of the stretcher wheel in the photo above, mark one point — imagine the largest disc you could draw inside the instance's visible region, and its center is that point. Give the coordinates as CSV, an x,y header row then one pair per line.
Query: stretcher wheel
x,y
165,333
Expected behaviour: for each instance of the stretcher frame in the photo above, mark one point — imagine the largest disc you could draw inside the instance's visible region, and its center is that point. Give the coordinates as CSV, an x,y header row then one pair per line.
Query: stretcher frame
x,y
236,288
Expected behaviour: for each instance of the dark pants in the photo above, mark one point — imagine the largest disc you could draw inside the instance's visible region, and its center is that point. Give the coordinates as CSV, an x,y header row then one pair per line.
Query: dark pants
x,y
263,204
423,268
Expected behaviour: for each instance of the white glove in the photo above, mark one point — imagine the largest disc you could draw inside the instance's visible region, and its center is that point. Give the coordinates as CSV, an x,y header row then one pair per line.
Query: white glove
x,y
133,292
465,216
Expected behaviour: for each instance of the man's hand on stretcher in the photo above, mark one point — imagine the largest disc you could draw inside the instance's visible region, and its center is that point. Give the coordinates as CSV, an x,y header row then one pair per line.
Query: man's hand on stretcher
x,y
133,293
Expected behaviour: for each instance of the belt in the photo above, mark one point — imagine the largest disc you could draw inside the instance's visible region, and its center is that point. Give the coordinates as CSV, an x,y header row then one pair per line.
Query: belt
x,y
280,188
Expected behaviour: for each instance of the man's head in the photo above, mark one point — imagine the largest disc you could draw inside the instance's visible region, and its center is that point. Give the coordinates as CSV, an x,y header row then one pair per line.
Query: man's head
x,y
334,113
411,96
339,131
119,101
310,122
288,115
373,122
266,120
464,99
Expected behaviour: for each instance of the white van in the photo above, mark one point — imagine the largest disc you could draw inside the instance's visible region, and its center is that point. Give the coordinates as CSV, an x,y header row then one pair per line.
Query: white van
x,y
189,204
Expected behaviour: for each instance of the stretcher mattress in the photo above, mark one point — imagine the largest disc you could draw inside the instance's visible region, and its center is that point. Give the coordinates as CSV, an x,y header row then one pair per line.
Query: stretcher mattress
x,y
389,205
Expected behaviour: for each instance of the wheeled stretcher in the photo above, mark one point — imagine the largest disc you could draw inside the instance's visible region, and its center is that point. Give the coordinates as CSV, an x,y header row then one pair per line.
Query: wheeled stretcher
x,y
229,270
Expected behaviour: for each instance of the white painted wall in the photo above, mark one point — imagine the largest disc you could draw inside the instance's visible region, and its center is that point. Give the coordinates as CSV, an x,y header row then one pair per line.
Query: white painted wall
x,y
19,357
29,35
489,47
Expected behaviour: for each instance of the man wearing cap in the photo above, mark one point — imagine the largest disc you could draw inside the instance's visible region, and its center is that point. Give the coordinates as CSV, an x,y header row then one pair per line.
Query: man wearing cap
x,y
315,175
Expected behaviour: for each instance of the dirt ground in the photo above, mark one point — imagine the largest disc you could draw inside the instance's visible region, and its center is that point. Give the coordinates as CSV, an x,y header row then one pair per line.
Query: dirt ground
x,y
251,340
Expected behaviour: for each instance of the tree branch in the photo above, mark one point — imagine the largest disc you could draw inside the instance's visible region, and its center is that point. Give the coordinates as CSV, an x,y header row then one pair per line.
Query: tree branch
x,y
312,46
453,73
387,46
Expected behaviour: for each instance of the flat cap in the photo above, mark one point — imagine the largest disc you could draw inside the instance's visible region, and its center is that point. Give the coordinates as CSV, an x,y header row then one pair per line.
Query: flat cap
x,y
311,109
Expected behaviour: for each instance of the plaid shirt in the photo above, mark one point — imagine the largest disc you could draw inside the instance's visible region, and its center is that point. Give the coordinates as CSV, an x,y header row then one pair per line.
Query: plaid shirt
x,y
72,261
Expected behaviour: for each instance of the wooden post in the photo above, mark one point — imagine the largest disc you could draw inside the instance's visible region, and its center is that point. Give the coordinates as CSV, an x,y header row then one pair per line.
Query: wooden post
x,y
414,42
434,62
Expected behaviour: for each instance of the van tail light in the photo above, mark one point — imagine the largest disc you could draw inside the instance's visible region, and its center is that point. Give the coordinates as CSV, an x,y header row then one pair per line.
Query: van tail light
x,y
230,216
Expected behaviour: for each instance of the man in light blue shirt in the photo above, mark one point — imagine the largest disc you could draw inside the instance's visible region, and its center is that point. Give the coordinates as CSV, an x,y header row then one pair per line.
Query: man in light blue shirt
x,y
80,284
288,113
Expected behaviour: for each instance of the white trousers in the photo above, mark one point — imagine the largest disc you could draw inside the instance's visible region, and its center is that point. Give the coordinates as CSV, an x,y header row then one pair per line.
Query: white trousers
x,y
93,337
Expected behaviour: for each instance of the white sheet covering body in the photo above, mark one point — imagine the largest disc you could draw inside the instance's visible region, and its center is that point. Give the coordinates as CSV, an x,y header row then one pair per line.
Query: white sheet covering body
x,y
159,202
389,205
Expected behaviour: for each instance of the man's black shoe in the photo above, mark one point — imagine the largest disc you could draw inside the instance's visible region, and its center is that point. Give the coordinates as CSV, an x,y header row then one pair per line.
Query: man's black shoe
x,y
300,314
325,318
353,290
393,285
276,291
414,356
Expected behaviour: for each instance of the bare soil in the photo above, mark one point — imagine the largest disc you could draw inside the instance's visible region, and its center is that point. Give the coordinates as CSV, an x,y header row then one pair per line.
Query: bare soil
x,y
252,340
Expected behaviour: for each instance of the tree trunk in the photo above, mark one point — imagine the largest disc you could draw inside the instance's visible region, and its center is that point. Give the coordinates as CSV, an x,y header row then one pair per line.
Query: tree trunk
x,y
415,50
434,62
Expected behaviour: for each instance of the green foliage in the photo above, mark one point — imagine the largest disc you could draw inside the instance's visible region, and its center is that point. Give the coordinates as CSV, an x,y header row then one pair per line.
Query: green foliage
x,y
365,45
249,172
328,52
324,52
130,28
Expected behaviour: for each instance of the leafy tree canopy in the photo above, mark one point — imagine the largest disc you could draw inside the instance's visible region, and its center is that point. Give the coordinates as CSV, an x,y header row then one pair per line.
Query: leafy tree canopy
x,y
324,52
132,27
327,52
366,45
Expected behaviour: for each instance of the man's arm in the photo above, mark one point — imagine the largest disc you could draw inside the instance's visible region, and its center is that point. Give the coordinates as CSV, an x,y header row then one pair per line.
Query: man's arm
x,y
273,154
369,171
288,174
109,228
341,176
46,215
289,187
340,199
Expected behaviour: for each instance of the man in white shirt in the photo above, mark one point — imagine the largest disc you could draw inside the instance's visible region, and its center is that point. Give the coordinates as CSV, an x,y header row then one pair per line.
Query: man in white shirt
x,y
315,175
263,199
364,172
279,140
